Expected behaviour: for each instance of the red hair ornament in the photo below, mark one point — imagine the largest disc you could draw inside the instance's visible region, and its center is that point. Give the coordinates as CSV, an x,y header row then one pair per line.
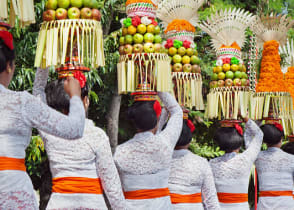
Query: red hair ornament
x,y
191,126
81,78
7,39
157,108
239,129
278,126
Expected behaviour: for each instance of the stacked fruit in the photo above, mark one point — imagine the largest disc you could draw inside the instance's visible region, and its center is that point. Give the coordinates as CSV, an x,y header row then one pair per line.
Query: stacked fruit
x,y
140,34
71,9
229,72
183,55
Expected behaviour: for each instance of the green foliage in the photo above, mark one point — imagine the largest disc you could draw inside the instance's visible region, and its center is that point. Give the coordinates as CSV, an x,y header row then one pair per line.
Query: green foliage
x,y
205,150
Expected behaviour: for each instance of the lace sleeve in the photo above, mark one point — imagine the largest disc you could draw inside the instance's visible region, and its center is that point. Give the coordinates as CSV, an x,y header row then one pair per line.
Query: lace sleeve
x,y
208,190
40,83
162,120
174,126
37,114
108,173
254,136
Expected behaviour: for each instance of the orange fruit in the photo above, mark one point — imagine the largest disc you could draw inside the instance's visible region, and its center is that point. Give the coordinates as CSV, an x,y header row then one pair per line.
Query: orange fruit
x,y
226,67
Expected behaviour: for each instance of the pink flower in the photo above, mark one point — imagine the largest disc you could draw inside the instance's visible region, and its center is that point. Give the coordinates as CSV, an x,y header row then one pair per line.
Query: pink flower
x,y
136,21
187,44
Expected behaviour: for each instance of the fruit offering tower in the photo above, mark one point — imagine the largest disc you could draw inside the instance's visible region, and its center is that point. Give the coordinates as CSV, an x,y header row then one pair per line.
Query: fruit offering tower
x,y
142,65
70,38
229,86
272,99
21,9
179,18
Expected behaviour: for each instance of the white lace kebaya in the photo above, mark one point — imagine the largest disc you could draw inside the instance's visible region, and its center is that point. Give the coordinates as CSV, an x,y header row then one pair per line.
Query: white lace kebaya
x,y
144,161
20,112
275,170
191,174
87,157
232,171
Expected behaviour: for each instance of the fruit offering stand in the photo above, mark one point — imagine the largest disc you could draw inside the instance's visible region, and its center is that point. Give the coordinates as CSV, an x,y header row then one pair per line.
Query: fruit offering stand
x,y
70,38
272,99
142,63
21,9
229,87
179,19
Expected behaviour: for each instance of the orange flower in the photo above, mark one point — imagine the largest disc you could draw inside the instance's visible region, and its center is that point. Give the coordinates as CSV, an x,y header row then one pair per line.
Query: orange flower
x,y
180,25
271,78
289,79
140,1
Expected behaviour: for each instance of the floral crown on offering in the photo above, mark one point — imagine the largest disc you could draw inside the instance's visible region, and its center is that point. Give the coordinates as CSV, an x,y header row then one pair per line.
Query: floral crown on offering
x,y
140,8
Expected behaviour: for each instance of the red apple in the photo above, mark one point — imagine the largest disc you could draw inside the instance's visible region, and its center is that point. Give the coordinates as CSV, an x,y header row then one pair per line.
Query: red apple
x,y
237,82
228,83
128,49
96,15
213,84
138,48
196,69
86,13
187,68
148,48
221,83
157,48
61,14
178,67
121,50
49,15
74,13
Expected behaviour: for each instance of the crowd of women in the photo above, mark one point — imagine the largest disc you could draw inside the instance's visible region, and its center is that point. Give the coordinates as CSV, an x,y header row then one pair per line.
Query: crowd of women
x,y
152,171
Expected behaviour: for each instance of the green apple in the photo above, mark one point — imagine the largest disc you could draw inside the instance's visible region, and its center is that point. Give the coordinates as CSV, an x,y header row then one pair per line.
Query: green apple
x,y
149,48
243,82
221,75
74,13
157,30
213,84
189,52
76,3
141,29
51,4
138,38
122,40
157,39
151,28
177,58
148,37
94,4
237,82
238,74
186,59
182,51
128,39
244,75
172,51
229,75
214,77
87,3
195,60
63,4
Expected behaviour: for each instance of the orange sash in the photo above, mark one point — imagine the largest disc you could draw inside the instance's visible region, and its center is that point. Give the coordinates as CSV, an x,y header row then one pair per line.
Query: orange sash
x,y
275,193
232,197
77,185
147,194
191,198
7,163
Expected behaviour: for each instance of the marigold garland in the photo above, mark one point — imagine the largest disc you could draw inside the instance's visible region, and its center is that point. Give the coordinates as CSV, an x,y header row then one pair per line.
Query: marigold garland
x,y
234,45
289,79
140,1
180,25
271,77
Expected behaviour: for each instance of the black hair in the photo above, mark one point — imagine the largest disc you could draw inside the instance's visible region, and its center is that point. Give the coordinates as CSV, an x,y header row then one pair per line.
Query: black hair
x,y
271,135
142,114
57,98
228,139
6,56
186,135
288,147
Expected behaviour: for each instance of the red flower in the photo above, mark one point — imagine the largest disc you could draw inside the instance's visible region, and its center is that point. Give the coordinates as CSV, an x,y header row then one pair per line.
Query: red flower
x,y
169,44
239,129
154,22
7,39
278,126
81,78
187,44
136,21
157,108
191,126
226,60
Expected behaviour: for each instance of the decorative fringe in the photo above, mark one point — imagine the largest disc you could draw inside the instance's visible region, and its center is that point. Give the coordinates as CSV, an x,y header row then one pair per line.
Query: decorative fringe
x,y
188,89
23,9
288,125
260,103
253,56
227,103
144,68
59,39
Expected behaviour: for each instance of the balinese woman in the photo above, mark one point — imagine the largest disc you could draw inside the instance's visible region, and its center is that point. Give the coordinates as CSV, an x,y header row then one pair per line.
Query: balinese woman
x,y
191,181
232,170
275,169
82,169
20,111
144,161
